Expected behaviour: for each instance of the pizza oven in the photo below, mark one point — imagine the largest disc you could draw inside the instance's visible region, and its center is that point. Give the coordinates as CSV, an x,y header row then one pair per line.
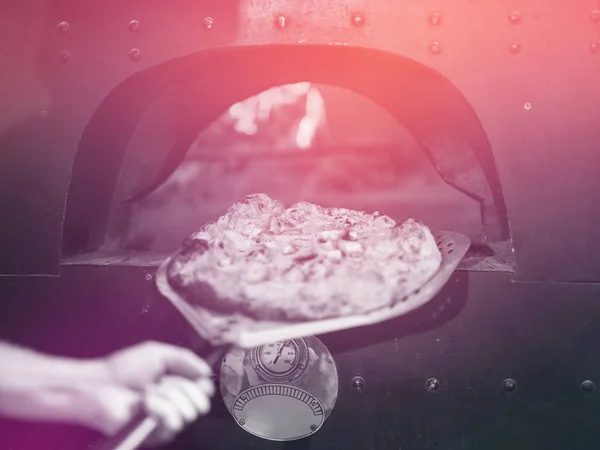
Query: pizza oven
x,y
124,128
183,162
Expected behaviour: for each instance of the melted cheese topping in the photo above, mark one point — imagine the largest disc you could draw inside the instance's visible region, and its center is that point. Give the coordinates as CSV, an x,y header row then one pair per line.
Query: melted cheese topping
x,y
310,262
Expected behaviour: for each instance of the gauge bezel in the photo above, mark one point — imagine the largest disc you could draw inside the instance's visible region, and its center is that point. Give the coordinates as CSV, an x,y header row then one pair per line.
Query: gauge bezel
x,y
292,374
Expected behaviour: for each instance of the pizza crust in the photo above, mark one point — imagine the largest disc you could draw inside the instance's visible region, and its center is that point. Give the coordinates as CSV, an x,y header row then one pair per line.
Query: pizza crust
x,y
302,263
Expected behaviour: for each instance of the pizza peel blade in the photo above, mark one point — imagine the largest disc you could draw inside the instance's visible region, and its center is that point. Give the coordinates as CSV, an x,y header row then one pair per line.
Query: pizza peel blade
x,y
244,332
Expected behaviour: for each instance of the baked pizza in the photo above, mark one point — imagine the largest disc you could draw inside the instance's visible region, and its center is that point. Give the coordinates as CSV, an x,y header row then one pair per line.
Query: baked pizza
x,y
302,263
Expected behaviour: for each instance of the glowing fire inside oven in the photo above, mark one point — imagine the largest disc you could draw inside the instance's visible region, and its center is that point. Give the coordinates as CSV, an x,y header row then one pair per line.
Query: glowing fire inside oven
x,y
299,142
248,114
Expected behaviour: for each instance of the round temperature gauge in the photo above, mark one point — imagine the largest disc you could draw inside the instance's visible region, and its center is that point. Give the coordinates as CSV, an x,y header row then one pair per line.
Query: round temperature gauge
x,y
280,361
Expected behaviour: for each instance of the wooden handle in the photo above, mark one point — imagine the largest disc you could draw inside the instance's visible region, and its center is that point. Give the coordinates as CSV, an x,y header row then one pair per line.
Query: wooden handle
x,y
139,430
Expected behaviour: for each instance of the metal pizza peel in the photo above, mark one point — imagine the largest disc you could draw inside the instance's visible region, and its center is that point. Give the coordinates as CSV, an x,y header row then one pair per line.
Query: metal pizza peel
x,y
225,330
244,332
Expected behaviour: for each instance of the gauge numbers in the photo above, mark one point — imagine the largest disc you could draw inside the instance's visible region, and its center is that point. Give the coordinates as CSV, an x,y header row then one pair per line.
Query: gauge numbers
x,y
280,358
281,361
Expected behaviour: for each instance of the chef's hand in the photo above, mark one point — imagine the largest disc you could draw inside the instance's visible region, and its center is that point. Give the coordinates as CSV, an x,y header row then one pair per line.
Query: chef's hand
x,y
169,383
172,383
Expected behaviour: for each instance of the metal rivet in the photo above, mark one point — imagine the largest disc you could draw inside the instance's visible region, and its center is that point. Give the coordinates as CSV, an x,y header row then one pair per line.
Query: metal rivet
x,y
514,48
65,56
243,397
432,384
509,385
595,16
358,20
588,386
435,19
134,25
148,277
242,422
300,366
313,428
64,27
527,106
435,48
514,17
281,21
595,46
358,382
208,23
135,54
257,368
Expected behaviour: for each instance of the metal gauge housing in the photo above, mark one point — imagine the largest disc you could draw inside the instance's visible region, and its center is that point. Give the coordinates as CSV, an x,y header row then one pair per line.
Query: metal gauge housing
x,y
280,362
280,391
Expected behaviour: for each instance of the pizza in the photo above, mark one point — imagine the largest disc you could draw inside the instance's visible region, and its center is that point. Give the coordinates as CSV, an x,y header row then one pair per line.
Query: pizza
x,y
302,263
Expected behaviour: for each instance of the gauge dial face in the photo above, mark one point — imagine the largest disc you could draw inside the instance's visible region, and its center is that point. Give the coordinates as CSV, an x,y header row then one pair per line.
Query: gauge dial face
x,y
279,358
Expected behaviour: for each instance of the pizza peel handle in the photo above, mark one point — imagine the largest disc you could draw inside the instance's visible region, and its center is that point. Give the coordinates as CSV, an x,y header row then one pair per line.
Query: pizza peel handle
x,y
139,430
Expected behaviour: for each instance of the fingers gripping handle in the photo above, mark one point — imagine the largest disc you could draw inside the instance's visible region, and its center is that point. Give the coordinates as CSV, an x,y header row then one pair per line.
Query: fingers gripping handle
x,y
139,430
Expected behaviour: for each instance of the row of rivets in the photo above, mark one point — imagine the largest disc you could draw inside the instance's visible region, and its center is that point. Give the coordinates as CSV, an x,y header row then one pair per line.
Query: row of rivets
x,y
435,48
435,19
514,17
134,25
509,385
65,55
358,19
514,48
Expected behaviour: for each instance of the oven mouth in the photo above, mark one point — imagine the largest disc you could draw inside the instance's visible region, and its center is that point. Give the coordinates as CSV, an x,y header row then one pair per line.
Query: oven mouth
x,y
441,120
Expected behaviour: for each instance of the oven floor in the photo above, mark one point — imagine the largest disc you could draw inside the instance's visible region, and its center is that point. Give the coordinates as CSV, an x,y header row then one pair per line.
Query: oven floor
x,y
497,257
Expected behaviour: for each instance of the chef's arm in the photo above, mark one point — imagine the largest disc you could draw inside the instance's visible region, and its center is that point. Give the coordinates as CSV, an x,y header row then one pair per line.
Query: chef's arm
x,y
170,383
34,386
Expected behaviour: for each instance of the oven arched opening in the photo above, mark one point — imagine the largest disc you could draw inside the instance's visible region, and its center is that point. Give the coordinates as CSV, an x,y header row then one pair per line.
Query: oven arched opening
x,y
430,107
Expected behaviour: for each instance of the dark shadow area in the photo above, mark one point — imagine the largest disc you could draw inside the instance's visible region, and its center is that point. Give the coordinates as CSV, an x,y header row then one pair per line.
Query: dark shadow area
x,y
436,313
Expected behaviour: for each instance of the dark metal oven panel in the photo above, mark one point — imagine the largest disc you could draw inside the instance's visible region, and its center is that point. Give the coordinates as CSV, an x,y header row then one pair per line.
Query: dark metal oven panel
x,y
501,365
